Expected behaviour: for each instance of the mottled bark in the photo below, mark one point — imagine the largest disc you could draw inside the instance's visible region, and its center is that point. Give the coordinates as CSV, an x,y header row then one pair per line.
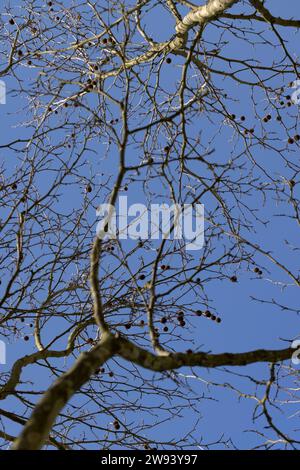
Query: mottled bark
x,y
38,427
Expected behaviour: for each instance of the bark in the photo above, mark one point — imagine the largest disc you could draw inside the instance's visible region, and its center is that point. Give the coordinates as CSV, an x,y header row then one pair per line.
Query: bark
x,y
38,427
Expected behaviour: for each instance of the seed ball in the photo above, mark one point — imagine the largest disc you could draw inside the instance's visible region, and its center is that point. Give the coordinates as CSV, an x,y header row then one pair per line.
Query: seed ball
x,y
243,118
12,21
167,148
297,137
218,320
256,270
163,320
291,140
142,277
233,117
166,329
26,338
102,370
142,323
213,318
128,326
104,41
182,323
292,183
116,425
269,117
14,186
289,104
198,313
233,279
168,60
111,374
89,188
207,314
251,131
125,188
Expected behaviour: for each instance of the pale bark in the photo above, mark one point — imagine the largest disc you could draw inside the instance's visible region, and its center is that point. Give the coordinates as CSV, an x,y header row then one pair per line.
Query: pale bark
x,y
38,427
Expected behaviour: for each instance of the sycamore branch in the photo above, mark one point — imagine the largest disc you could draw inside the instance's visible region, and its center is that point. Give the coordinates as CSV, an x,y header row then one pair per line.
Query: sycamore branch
x,y
204,14
143,358
267,16
199,16
38,427
274,20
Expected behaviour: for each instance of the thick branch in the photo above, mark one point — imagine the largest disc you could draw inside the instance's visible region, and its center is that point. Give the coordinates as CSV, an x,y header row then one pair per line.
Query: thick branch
x,y
204,14
273,19
143,358
38,427
267,16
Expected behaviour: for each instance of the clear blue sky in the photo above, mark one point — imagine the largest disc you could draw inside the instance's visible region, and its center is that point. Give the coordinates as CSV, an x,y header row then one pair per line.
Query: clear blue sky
x,y
246,324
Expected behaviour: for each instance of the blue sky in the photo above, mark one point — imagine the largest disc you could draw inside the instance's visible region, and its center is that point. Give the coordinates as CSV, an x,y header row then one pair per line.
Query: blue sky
x,y
247,324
